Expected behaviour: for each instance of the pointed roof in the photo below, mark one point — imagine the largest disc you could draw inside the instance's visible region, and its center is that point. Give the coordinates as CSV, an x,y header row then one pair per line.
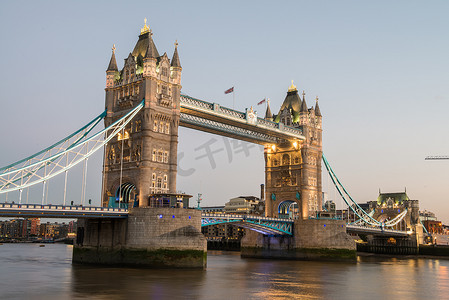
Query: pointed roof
x,y
303,103
317,108
175,60
112,63
151,51
292,102
268,114
145,41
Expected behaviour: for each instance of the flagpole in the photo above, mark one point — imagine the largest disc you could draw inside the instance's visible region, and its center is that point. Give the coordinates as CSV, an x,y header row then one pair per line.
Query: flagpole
x,y
233,98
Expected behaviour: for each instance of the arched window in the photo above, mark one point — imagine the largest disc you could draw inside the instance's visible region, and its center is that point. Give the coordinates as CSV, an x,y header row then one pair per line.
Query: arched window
x,y
286,159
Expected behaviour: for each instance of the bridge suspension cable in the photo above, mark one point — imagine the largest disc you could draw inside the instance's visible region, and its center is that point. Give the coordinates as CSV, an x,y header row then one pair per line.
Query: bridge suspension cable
x,y
354,206
364,217
61,156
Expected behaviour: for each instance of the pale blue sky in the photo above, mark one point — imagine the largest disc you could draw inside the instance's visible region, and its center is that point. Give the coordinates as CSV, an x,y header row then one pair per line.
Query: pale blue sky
x,y
380,69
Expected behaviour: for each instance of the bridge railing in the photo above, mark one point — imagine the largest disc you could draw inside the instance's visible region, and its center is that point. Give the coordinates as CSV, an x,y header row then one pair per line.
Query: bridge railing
x,y
196,102
60,207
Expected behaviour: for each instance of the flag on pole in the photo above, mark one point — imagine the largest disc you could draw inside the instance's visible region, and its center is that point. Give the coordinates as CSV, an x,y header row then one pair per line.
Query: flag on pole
x,y
262,102
228,91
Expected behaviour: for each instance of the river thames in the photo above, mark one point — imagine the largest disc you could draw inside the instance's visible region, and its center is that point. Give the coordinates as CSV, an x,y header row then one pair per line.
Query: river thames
x,y
28,271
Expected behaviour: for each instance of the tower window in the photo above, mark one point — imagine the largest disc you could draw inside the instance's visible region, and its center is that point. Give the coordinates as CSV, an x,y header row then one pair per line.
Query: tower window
x,y
155,126
154,157
167,128
166,157
159,156
165,186
164,71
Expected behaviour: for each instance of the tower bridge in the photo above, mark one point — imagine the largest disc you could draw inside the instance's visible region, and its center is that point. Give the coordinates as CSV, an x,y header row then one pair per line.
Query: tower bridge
x,y
142,214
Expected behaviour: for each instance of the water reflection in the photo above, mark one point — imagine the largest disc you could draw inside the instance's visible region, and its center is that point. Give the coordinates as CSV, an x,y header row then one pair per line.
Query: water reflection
x,y
27,271
128,283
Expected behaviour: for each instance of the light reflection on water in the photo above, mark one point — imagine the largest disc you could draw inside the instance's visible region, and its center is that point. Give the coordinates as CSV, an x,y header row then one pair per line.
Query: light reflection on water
x,y
28,271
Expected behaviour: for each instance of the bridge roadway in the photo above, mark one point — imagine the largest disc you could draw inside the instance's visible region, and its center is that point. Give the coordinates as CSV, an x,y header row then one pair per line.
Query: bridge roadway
x,y
265,225
359,229
59,211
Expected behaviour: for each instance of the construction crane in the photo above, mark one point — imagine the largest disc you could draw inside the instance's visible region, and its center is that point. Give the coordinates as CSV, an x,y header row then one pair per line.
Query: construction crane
x,y
438,157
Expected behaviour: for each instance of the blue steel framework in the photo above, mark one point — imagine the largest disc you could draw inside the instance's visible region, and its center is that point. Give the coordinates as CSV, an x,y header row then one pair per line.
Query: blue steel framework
x,y
270,226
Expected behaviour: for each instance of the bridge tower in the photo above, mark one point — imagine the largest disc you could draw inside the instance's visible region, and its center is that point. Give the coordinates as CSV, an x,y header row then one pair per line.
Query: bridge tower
x,y
140,169
293,169
142,160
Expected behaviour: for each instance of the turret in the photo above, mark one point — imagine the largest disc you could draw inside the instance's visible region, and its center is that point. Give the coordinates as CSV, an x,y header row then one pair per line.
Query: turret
x,y
268,114
112,69
111,72
175,68
150,59
303,112
318,114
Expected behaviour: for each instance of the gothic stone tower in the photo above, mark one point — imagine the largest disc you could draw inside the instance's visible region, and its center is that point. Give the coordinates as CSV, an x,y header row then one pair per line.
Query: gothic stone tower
x,y
142,160
293,169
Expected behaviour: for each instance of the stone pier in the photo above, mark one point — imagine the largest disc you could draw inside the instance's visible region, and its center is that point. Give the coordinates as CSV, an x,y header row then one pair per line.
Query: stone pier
x,y
312,240
149,237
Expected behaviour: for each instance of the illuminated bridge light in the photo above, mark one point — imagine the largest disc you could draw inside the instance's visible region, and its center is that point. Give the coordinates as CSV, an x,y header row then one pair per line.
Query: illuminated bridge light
x,y
173,216
160,216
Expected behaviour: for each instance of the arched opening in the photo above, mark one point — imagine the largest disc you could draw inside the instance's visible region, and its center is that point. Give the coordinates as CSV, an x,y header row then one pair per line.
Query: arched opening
x,y
288,210
124,195
285,159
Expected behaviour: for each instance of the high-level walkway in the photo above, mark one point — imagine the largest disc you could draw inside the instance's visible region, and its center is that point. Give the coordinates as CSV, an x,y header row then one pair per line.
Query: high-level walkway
x,y
214,118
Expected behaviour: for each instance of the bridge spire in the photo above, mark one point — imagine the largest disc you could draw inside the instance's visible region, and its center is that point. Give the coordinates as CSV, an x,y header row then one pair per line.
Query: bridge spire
x,y
317,108
145,28
292,87
175,60
268,114
303,103
112,63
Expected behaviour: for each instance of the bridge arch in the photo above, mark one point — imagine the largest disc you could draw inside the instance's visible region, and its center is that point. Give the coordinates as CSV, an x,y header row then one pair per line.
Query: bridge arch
x,y
264,225
288,209
125,193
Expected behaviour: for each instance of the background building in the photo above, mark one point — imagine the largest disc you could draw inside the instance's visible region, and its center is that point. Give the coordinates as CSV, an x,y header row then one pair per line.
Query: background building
x,y
242,205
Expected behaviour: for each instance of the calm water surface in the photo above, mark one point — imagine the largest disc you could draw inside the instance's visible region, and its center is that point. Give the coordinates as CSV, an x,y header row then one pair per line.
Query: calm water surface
x,y
28,271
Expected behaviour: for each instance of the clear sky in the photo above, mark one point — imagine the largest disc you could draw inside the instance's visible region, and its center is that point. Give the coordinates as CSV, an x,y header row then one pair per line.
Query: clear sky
x,y
380,69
